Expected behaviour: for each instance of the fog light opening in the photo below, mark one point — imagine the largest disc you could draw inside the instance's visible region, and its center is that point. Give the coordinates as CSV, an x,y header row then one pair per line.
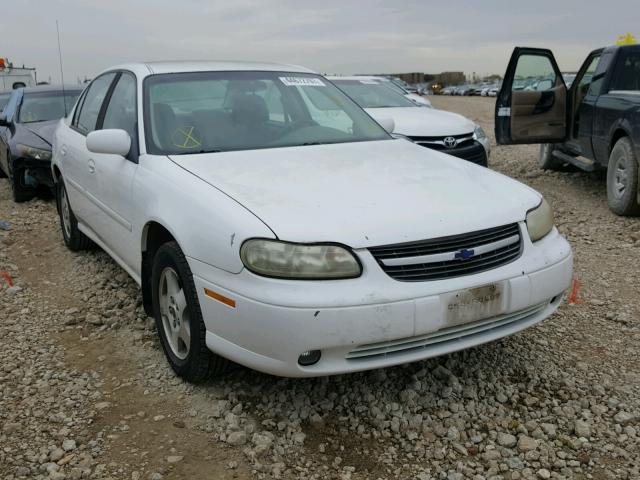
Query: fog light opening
x,y
309,358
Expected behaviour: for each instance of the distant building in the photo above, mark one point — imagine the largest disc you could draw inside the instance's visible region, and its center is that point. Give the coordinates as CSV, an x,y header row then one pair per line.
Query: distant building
x,y
411,78
450,78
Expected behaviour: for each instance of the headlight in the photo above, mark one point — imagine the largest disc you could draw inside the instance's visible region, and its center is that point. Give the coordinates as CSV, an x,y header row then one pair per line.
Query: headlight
x,y
478,133
539,221
272,258
33,152
399,135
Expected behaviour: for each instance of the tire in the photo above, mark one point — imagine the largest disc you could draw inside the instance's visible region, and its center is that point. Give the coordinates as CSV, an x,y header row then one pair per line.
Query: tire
x,y
179,317
546,160
622,179
74,239
21,193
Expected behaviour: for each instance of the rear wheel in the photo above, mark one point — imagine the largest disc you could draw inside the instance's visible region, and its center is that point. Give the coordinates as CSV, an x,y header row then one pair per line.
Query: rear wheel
x,y
74,239
179,317
546,160
622,179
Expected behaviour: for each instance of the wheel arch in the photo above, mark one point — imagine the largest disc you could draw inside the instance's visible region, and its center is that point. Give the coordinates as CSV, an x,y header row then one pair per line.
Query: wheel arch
x,y
154,235
618,133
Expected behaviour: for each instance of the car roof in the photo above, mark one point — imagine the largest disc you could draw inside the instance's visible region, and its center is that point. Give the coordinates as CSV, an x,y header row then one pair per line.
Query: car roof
x,y
357,77
52,88
184,66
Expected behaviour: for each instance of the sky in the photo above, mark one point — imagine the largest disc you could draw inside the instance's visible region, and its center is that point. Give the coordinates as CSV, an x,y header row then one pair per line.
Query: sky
x,y
329,36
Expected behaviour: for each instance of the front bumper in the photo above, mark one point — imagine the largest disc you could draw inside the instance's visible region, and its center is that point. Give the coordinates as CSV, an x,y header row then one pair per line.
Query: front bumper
x,y
274,321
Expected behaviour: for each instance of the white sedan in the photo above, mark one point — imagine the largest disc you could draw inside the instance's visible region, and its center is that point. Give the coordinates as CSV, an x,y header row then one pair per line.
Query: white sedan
x,y
436,129
270,221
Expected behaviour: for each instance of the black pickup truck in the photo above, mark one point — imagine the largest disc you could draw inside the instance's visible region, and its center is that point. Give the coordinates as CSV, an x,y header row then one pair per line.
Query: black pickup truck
x,y
594,124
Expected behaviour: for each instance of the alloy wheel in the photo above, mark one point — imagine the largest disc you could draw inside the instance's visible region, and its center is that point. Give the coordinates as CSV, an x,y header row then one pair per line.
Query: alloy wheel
x,y
174,312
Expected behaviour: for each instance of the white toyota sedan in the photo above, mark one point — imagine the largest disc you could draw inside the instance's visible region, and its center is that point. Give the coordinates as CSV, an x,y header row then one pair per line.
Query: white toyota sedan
x,y
436,129
271,222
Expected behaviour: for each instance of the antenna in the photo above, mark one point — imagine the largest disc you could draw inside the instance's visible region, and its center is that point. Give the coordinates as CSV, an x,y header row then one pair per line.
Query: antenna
x,y
64,94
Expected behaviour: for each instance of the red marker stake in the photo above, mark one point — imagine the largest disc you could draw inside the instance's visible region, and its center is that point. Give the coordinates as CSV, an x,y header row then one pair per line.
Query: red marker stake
x,y
7,277
573,296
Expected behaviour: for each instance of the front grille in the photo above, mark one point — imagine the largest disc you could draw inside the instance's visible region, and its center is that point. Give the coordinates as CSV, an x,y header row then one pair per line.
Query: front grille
x,y
467,148
441,338
452,256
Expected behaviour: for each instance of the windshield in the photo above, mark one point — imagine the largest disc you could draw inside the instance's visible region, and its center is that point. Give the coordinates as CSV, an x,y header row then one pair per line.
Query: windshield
x,y
372,94
394,87
4,98
223,111
43,106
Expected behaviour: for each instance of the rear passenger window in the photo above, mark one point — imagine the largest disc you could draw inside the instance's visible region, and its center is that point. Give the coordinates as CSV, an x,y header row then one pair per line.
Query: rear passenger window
x,y
90,109
121,111
628,74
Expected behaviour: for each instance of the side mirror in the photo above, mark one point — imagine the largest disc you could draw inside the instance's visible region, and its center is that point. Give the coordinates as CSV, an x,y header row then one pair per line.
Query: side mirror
x,y
3,121
387,123
109,141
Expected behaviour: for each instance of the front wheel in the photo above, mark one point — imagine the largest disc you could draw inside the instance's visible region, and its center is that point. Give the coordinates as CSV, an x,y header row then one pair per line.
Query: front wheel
x,y
546,160
179,317
622,179
21,191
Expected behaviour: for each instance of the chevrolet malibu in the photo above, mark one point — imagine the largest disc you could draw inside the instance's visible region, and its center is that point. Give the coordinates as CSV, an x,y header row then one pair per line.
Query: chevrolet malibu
x,y
271,222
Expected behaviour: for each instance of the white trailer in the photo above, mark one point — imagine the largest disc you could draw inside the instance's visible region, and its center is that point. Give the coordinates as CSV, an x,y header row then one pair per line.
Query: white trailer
x,y
12,77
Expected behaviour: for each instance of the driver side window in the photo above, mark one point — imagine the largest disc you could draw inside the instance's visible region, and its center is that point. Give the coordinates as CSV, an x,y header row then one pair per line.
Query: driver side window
x,y
88,116
121,111
534,73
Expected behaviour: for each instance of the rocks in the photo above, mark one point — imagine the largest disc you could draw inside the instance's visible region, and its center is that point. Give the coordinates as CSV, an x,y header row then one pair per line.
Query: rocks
x,y
623,418
174,458
582,429
507,440
543,473
237,438
526,444
69,445
94,319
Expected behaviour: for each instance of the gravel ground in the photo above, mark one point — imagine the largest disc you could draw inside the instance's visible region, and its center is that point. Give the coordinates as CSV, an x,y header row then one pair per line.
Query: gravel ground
x,y
85,391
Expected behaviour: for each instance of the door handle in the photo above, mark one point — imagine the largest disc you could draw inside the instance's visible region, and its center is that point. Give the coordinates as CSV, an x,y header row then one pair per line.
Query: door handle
x,y
92,166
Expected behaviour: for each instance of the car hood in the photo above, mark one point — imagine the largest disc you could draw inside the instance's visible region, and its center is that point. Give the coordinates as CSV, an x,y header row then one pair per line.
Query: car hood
x,y
363,194
424,122
42,130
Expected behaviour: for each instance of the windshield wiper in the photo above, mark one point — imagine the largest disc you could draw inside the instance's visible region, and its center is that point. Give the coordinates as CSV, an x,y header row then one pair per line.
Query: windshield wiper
x,y
306,144
193,152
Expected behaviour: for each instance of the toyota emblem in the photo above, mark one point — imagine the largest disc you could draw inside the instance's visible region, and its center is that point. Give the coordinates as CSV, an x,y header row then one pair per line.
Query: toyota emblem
x,y
450,142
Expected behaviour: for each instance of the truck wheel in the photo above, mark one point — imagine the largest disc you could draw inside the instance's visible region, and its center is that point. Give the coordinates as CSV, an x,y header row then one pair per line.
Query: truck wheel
x,y
622,179
179,317
546,160
21,192
74,239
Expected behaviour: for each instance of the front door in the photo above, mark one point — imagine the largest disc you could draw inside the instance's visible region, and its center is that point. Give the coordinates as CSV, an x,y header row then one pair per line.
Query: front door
x,y
114,175
531,105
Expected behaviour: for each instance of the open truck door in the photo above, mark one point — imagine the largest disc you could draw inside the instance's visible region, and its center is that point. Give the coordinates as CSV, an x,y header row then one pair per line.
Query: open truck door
x,y
532,104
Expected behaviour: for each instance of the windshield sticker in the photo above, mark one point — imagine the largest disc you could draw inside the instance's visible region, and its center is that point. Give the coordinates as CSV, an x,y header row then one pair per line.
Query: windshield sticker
x,y
186,137
302,82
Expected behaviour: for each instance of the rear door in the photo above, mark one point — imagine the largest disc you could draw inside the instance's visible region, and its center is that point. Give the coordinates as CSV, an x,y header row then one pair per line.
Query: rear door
x,y
78,166
532,104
